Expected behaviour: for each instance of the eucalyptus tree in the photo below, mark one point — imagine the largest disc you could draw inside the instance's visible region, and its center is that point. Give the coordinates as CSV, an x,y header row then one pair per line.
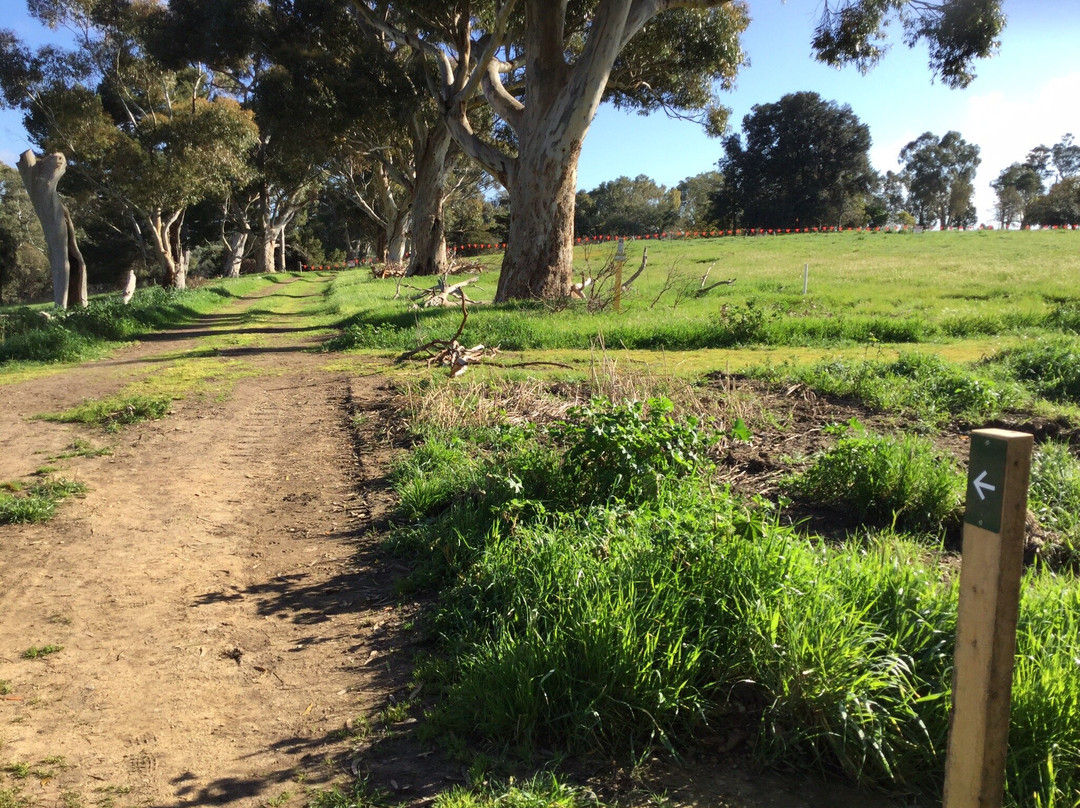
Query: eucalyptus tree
x,y
24,270
939,174
151,138
316,89
1017,186
544,67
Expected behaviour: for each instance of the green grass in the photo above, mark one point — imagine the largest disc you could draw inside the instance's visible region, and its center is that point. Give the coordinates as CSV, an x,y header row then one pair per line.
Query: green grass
x,y
37,502
34,652
1054,496
616,624
82,448
85,333
113,413
865,288
924,386
883,481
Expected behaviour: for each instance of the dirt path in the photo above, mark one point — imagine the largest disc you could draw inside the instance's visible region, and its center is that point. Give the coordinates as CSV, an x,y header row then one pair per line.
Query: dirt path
x,y
218,630
228,632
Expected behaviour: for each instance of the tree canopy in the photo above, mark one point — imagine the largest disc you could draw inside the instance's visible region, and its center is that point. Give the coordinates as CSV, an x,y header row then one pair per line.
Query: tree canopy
x,y
798,162
939,175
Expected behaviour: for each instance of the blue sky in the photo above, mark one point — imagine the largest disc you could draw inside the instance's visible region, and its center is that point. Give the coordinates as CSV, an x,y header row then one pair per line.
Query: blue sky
x,y
1026,95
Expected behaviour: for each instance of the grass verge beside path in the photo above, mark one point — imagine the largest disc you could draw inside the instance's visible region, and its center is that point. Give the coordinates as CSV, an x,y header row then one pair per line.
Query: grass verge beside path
x,y
48,336
581,615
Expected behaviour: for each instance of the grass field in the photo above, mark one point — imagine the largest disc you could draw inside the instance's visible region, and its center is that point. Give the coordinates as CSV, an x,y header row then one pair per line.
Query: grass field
x,y
602,588
597,598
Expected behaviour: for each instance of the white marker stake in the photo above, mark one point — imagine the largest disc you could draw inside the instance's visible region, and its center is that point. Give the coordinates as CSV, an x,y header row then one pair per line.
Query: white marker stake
x,y
805,278
986,617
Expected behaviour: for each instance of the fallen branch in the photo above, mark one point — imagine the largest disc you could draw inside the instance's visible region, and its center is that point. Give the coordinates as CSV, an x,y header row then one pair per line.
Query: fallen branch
x,y
577,290
704,290
440,293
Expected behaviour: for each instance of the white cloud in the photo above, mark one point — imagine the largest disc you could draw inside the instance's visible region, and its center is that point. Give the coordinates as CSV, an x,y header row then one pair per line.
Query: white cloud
x,y
1007,126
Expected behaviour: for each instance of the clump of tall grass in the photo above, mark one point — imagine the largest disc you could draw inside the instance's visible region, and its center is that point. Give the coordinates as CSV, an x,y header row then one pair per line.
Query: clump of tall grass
x,y
1049,367
616,625
883,480
1054,495
37,502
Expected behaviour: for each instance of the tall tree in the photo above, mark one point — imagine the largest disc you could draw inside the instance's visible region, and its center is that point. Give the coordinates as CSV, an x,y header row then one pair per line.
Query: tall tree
x,y
799,162
546,69
24,270
150,137
558,61
631,207
1017,186
1065,156
939,174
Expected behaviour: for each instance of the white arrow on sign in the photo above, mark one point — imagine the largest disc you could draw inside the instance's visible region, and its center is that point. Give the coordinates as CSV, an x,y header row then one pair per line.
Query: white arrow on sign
x,y
980,486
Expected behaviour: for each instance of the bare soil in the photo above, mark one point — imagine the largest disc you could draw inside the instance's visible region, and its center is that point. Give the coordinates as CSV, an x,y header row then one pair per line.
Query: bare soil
x,y
225,630
229,631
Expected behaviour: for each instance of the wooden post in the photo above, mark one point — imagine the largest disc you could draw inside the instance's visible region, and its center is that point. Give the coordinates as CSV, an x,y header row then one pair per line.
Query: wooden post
x,y
994,523
620,259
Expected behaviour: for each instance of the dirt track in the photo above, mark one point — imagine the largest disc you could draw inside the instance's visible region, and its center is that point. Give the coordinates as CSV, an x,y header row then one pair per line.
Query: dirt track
x,y
229,634
218,628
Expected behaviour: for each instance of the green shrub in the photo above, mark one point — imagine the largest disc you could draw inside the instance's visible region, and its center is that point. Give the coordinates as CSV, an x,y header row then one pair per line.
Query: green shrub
x,y
624,450
1050,368
883,480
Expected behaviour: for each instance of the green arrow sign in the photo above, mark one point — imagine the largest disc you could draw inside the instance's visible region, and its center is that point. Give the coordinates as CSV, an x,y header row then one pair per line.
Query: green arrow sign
x,y
986,479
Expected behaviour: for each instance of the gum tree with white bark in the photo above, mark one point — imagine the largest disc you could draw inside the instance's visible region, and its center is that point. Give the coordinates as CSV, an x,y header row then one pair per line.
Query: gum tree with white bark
x,y
544,66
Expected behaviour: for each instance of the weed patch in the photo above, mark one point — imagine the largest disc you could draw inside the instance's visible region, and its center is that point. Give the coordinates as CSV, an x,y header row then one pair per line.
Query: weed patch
x,y
883,480
112,414
34,652
1050,368
36,502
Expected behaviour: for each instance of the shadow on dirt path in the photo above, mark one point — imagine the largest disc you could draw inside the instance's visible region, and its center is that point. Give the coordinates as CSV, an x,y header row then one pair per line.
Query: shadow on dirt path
x,y
219,633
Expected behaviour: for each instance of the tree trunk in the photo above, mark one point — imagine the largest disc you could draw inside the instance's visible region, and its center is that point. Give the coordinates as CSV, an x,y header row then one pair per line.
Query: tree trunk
x,y
396,237
264,255
165,228
76,263
429,194
234,253
540,246
40,179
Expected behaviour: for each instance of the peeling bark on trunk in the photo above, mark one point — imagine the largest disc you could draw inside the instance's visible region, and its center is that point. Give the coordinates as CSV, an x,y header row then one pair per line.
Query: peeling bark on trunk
x,y
395,248
264,255
40,177
429,194
128,290
540,247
